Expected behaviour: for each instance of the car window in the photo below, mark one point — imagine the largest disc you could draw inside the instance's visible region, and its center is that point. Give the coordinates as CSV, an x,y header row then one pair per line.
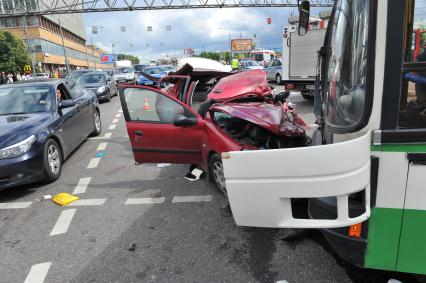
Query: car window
x,y
26,99
146,105
276,63
74,89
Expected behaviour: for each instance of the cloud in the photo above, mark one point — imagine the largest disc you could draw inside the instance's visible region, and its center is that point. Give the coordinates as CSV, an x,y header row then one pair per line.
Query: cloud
x,y
202,29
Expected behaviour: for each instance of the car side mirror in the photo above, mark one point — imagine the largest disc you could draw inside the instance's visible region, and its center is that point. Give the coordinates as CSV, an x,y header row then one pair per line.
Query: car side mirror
x,y
182,121
282,96
66,103
304,12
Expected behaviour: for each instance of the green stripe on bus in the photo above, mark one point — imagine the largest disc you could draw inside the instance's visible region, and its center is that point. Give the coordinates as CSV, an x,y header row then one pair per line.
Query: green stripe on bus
x,y
399,147
383,238
412,248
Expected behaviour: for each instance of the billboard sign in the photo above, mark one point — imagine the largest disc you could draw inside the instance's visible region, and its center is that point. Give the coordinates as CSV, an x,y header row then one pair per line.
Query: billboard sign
x,y
107,58
188,51
241,44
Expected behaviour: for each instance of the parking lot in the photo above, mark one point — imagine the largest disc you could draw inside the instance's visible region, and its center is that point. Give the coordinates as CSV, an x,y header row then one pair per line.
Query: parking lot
x,y
147,223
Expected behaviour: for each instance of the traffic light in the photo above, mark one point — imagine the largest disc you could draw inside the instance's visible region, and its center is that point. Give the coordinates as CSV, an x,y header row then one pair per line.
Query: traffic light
x,y
269,21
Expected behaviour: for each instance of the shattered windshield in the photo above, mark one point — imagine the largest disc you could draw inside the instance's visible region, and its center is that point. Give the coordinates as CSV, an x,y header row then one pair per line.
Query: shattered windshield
x,y
345,71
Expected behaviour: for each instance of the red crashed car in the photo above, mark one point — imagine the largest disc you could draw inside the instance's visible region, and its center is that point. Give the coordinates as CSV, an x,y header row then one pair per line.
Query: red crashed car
x,y
202,113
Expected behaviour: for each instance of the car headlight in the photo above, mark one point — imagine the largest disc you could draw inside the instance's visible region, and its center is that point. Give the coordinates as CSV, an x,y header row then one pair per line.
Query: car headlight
x,y
17,149
100,89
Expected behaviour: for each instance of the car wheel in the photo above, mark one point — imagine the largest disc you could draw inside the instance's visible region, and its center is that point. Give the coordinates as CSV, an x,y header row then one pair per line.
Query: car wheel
x,y
52,160
108,99
278,79
217,174
306,95
97,124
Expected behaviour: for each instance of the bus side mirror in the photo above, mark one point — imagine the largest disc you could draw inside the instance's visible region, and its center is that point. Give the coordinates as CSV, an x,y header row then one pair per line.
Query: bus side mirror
x,y
304,11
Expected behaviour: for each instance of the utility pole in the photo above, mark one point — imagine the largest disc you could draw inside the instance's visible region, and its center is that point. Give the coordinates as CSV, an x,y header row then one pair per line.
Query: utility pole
x,y
63,46
29,45
93,51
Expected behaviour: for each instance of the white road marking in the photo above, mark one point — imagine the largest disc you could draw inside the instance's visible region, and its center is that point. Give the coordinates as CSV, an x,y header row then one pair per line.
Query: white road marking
x,y
82,186
14,205
64,221
112,126
84,202
38,272
94,162
106,136
118,115
191,198
102,146
120,111
145,200
114,121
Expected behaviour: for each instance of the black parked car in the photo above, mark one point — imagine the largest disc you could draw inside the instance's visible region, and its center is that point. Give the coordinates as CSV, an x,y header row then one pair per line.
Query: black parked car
x,y
41,123
100,83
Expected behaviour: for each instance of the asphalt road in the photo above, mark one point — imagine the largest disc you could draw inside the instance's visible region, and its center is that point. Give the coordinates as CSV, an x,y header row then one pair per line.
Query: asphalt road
x,y
113,235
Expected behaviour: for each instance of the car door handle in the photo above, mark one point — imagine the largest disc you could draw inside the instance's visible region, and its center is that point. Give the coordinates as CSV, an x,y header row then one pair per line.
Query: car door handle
x,y
138,133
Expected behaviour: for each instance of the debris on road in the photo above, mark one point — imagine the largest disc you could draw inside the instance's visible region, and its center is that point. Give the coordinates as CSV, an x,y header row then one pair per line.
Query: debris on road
x,y
64,199
194,175
132,247
162,165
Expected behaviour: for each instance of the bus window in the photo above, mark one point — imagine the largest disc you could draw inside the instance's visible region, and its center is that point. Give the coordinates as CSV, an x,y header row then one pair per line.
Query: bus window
x,y
412,112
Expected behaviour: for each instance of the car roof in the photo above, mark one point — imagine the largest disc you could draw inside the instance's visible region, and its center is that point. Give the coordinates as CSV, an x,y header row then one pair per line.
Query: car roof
x,y
96,73
35,82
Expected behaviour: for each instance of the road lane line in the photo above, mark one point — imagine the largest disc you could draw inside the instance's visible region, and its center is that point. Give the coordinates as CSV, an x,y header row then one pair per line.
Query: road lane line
x,y
115,121
145,200
120,111
38,272
84,202
118,115
93,163
112,126
82,186
106,136
64,221
102,146
177,199
14,205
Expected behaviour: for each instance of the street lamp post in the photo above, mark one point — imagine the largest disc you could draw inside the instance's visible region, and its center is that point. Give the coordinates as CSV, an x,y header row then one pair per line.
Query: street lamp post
x,y
29,45
63,46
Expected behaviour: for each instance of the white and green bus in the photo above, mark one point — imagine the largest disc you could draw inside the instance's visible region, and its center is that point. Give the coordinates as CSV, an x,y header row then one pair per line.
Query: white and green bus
x,y
365,178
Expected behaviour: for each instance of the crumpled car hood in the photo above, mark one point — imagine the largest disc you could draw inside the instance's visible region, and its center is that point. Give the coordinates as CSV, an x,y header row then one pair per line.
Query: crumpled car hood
x,y
265,115
245,83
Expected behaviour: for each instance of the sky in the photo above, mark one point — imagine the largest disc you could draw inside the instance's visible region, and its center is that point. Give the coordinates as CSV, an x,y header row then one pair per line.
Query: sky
x,y
201,29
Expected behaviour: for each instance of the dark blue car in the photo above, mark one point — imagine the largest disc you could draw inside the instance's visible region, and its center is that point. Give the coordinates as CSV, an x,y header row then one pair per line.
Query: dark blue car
x,y
41,123
156,72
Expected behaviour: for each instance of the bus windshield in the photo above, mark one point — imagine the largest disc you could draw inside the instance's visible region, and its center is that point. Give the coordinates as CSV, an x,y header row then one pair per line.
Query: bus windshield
x,y
346,64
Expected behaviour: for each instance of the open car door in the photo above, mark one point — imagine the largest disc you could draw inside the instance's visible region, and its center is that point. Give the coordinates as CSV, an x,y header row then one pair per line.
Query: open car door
x,y
262,183
161,128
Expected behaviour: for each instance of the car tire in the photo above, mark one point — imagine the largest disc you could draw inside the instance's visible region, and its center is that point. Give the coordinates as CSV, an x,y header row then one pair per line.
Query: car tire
x,y
108,99
52,160
216,173
306,95
97,124
278,79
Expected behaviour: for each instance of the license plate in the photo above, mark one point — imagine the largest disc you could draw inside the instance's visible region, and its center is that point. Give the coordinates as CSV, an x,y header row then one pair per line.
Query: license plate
x,y
310,87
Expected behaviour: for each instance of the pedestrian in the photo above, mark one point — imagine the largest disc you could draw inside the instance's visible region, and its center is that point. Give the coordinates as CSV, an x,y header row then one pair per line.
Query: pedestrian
x,y
3,78
18,76
9,78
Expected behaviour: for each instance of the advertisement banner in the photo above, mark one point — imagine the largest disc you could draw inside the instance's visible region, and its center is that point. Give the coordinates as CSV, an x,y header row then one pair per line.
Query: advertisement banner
x,y
241,44
188,51
107,58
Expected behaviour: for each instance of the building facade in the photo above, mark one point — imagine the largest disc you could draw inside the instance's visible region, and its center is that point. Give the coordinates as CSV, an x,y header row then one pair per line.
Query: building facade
x,y
52,39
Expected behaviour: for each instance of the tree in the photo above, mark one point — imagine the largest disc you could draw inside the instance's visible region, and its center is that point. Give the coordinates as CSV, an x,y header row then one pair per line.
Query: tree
x,y
13,53
133,59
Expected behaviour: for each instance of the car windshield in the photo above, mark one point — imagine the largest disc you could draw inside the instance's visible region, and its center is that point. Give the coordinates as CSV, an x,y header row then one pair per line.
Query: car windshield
x,y
124,70
345,67
139,68
251,63
25,99
92,79
256,56
76,75
153,71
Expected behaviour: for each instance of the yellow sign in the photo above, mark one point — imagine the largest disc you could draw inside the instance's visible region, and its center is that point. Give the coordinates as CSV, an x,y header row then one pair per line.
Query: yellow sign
x,y
241,44
27,68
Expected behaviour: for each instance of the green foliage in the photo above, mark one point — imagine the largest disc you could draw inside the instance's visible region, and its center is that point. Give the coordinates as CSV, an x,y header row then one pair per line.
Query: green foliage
x,y
135,60
218,56
13,53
